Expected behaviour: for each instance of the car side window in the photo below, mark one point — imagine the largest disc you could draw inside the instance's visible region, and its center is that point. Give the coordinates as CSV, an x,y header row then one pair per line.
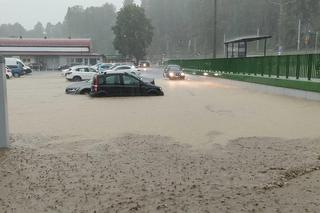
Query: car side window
x,y
130,80
92,70
113,79
123,68
101,80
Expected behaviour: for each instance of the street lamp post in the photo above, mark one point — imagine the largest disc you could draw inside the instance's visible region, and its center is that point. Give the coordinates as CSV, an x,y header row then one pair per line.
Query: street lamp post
x,y
4,135
214,29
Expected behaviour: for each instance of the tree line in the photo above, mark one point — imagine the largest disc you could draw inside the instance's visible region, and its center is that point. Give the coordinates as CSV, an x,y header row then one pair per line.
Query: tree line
x,y
184,28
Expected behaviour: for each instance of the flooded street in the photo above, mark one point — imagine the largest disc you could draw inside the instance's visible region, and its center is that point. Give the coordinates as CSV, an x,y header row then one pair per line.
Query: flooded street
x,y
206,146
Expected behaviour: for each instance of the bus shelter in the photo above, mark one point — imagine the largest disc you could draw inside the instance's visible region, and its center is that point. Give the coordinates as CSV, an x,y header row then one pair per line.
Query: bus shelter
x,y
238,47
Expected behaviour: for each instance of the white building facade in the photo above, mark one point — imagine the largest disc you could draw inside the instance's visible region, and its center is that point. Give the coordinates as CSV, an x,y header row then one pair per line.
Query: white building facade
x,y
50,53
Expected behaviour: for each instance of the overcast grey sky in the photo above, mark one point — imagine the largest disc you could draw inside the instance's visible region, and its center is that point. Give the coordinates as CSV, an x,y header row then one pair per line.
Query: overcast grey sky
x,y
29,12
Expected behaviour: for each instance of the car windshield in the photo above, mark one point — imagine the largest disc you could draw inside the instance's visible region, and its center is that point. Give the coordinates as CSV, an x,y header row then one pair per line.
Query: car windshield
x,y
174,66
174,69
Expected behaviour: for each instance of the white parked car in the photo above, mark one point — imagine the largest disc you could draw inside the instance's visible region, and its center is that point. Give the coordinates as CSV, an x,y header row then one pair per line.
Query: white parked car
x,y
64,72
80,73
124,68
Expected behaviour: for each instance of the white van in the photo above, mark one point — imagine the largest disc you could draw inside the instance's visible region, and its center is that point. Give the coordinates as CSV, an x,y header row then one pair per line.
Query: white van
x,y
13,62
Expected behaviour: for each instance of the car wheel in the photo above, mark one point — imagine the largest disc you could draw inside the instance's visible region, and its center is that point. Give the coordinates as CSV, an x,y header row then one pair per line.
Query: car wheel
x,y
97,95
85,92
152,93
76,78
16,75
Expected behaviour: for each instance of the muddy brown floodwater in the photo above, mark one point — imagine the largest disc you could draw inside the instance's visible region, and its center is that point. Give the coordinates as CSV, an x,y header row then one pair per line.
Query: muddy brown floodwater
x,y
206,146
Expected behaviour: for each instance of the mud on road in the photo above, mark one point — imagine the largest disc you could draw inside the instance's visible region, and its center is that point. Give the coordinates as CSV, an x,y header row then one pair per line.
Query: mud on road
x,y
145,173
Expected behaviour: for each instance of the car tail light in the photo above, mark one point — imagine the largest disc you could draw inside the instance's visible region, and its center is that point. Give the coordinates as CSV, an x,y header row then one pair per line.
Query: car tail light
x,y
95,84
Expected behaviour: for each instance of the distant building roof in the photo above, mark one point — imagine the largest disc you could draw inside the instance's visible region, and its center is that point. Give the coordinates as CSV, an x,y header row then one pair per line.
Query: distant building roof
x,y
248,39
82,54
42,42
44,46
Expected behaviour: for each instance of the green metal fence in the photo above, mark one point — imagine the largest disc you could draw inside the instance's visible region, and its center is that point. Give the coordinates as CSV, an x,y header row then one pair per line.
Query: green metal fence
x,y
297,66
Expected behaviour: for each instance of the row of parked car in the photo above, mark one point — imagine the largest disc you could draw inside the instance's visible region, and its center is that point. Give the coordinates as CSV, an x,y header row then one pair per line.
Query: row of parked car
x,y
82,72
110,80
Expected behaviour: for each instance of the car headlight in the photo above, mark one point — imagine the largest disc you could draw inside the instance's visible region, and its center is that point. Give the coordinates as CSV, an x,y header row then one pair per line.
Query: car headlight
x,y
171,74
73,89
182,74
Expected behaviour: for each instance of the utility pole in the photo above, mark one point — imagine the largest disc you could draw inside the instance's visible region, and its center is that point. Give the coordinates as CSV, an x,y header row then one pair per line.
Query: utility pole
x,y
299,35
224,46
214,29
280,21
258,43
4,133
316,42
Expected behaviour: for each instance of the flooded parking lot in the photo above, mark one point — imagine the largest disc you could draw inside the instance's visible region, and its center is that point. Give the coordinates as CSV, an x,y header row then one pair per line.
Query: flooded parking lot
x,y
206,146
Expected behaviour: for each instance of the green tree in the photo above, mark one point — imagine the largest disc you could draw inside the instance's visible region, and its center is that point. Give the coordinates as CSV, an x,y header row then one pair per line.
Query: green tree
x,y
133,32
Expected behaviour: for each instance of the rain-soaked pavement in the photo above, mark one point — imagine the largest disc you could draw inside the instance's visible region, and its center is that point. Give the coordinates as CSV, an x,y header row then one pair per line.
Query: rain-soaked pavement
x,y
208,145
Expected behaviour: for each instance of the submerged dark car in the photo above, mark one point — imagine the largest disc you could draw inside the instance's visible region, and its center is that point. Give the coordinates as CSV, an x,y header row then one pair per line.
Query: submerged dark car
x,y
84,87
174,72
122,84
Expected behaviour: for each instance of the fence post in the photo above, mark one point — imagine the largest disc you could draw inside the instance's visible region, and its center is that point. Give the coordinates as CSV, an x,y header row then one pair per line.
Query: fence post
x,y
263,65
270,67
309,67
298,67
278,66
256,66
4,132
287,66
